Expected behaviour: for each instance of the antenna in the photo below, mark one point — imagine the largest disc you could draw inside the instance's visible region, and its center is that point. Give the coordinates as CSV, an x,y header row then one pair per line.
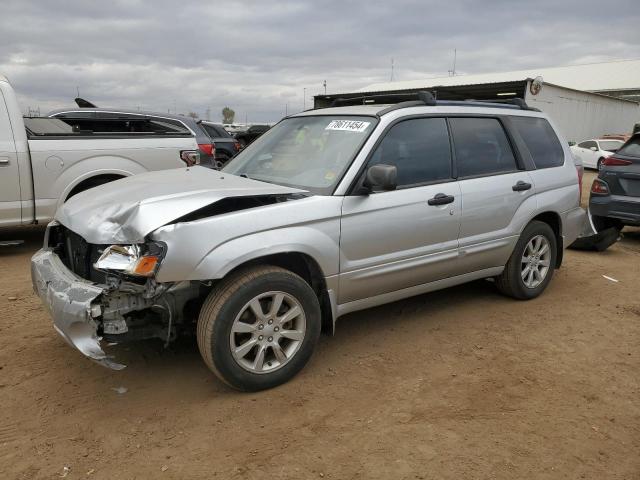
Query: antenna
x,y
391,80
452,72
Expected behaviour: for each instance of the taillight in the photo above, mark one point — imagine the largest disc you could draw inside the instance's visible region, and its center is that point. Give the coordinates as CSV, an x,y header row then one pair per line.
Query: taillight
x,y
600,187
615,162
190,157
237,146
207,148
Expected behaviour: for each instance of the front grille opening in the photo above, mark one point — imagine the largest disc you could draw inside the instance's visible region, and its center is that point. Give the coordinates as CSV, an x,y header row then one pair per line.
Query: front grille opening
x,y
76,253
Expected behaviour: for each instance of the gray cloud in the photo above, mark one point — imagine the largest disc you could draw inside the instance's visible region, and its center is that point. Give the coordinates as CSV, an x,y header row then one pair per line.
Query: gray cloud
x,y
258,56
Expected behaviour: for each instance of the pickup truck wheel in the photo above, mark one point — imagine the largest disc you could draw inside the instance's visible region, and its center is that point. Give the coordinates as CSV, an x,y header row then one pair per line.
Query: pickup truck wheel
x,y
91,183
530,267
258,328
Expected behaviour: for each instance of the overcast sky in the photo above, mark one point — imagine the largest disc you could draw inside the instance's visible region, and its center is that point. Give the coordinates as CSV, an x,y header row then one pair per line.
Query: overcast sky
x,y
258,56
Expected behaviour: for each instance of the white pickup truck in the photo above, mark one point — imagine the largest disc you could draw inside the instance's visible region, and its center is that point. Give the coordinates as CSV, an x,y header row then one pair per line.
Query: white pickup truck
x,y
44,161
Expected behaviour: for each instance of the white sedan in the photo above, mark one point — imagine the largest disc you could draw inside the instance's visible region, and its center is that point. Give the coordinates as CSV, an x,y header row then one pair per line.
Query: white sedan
x,y
593,152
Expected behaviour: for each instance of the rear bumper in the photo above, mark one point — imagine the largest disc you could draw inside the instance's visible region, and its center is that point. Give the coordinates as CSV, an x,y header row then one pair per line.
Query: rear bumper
x,y
574,224
623,208
70,302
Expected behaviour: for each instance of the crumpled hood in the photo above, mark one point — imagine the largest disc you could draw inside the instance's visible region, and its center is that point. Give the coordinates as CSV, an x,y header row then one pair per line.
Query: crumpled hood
x,y
127,210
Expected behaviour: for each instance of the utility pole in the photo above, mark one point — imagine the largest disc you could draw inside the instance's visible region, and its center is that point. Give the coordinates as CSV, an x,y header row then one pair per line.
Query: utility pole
x,y
324,84
452,72
304,99
391,80
78,92
286,109
208,114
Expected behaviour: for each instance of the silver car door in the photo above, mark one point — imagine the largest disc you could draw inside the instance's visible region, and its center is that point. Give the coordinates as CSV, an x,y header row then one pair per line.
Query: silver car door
x,y
495,192
406,237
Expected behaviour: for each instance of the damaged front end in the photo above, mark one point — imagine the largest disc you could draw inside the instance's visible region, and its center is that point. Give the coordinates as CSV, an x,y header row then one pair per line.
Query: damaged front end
x,y
107,292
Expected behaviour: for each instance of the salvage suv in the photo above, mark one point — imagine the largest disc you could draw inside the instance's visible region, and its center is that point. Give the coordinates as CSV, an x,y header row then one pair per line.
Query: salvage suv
x,y
329,212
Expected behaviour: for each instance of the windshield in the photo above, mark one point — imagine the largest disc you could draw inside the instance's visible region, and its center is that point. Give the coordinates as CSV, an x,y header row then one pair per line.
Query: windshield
x,y
610,145
309,152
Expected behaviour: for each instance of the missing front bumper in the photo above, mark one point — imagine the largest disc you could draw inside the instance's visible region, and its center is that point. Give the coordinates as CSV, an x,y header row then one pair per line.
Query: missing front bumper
x,y
69,300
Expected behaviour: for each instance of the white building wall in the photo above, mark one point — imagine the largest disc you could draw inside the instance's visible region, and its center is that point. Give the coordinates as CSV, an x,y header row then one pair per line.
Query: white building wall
x,y
582,115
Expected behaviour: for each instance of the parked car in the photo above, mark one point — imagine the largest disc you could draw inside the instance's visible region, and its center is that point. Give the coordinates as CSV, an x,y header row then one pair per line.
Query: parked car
x,y
117,120
44,161
616,136
250,134
615,194
329,212
225,145
593,152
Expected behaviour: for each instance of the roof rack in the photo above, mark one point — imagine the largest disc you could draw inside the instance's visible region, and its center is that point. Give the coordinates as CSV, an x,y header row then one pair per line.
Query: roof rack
x,y
424,97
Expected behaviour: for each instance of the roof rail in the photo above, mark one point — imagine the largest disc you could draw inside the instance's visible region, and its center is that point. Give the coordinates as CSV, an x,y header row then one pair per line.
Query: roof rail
x,y
427,98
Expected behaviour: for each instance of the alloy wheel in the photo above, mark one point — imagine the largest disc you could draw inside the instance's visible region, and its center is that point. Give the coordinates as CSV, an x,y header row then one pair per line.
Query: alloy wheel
x,y
267,332
536,261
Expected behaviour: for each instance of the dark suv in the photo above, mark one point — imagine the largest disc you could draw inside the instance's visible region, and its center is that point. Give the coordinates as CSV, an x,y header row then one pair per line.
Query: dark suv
x,y
124,120
225,145
250,134
615,194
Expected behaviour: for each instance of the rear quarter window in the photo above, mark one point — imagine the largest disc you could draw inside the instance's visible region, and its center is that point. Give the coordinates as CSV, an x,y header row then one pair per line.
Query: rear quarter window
x,y
631,148
541,141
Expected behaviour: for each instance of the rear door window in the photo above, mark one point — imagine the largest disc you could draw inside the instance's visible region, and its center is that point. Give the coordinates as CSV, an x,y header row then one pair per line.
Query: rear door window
x,y
481,146
420,150
541,140
588,144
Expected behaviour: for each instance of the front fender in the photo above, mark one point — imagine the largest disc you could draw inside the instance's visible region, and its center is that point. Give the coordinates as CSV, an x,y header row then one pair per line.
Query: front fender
x,y
210,248
316,244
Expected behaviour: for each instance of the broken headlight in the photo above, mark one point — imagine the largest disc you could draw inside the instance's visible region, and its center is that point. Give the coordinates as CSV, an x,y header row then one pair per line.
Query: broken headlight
x,y
136,260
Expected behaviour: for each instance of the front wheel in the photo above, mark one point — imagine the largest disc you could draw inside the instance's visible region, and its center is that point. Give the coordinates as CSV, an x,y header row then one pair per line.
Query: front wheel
x,y
258,328
530,267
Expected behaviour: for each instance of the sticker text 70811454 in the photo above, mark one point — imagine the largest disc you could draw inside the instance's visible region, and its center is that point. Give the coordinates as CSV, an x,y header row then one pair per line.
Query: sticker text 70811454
x,y
348,125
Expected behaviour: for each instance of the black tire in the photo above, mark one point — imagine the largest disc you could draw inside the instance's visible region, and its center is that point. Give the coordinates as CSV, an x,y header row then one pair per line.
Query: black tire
x,y
599,164
227,300
221,161
603,223
510,282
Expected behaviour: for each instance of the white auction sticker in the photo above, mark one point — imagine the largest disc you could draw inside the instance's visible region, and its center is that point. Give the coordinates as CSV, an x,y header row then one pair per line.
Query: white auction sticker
x,y
348,125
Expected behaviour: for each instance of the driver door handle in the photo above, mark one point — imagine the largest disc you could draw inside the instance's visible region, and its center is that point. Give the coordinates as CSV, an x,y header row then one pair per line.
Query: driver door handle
x,y
521,186
441,199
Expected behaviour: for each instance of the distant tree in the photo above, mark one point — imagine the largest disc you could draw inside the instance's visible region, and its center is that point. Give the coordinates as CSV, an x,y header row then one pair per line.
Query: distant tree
x,y
228,115
193,115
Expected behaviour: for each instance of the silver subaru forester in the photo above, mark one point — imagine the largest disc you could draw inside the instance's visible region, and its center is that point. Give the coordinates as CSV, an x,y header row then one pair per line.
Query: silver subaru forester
x,y
330,211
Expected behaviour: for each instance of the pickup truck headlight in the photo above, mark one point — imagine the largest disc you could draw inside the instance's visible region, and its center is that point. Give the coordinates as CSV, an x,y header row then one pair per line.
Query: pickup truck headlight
x,y
136,260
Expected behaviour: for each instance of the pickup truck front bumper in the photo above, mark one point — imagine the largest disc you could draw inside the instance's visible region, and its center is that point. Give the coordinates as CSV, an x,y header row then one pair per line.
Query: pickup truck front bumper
x,y
70,301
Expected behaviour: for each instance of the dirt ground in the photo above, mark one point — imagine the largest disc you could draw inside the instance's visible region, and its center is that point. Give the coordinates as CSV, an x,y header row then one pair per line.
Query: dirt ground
x,y
461,383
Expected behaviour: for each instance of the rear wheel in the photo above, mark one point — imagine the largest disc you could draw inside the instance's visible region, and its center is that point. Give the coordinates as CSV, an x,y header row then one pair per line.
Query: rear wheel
x,y
258,328
599,165
530,267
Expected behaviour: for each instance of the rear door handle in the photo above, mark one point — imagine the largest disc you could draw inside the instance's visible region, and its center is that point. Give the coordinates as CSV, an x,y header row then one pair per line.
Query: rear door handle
x,y
521,186
441,199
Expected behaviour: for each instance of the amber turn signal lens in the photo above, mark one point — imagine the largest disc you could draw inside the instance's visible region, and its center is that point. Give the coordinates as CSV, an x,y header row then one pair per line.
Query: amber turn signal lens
x,y
146,266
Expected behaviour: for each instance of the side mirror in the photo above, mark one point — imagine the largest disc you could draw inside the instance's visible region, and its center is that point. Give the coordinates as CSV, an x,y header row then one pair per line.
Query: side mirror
x,y
381,177
593,149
